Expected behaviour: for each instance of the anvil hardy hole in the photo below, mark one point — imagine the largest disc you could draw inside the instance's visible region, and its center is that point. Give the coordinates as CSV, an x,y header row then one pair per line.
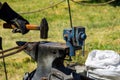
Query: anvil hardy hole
x,y
54,52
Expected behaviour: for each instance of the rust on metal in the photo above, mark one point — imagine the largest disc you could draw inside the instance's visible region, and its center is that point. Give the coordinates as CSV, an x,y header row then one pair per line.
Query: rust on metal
x,y
9,49
21,48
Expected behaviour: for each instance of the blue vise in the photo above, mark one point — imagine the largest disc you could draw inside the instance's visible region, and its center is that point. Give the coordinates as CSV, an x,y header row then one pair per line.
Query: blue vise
x,y
74,38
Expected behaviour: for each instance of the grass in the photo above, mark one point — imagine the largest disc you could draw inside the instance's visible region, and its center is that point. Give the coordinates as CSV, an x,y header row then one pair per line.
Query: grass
x,y
102,25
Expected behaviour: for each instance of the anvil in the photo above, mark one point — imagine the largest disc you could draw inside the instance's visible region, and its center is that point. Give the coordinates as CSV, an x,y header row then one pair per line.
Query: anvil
x,y
48,55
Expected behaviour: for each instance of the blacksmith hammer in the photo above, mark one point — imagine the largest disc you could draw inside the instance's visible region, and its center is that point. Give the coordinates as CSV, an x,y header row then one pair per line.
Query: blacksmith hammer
x,y
19,24
43,28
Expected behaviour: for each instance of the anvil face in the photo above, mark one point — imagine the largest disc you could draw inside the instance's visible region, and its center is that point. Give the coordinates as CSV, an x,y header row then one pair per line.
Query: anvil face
x,y
47,55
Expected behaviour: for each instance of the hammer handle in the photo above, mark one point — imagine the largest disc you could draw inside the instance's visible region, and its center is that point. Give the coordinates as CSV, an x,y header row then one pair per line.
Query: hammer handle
x,y
28,26
32,27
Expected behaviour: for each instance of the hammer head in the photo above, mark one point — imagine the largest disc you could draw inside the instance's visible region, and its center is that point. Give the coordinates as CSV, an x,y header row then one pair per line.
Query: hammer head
x,y
44,29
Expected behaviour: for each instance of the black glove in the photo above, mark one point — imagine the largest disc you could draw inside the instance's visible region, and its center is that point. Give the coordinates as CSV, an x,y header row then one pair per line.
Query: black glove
x,y
11,17
20,25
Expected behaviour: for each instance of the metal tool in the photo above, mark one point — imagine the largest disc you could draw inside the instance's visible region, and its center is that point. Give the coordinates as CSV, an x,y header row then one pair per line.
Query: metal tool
x,y
74,39
19,24
43,28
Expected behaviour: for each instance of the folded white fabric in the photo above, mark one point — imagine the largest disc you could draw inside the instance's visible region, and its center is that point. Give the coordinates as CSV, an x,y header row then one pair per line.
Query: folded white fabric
x,y
104,63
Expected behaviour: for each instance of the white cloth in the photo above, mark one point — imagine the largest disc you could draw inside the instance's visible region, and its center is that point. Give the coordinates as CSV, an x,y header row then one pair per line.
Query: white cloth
x,y
104,63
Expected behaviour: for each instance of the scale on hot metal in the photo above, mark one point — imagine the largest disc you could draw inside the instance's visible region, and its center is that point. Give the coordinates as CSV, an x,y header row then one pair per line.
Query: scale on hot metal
x,y
48,55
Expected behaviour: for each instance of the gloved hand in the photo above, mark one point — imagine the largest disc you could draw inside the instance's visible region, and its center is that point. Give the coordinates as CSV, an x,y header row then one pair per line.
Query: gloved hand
x,y
11,17
20,26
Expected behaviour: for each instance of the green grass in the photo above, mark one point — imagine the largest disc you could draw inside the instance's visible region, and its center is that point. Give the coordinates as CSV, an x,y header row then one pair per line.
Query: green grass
x,y
102,25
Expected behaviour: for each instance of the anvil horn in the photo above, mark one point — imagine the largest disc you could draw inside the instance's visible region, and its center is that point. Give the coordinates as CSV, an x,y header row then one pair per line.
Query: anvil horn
x,y
20,43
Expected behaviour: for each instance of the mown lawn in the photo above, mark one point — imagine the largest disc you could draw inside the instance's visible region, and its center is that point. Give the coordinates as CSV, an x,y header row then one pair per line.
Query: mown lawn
x,y
102,25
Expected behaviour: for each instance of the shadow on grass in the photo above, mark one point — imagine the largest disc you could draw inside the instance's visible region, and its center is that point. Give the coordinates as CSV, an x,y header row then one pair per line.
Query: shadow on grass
x,y
99,2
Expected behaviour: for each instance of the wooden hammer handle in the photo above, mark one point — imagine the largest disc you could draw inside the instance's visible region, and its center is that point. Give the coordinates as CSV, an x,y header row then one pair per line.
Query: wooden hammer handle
x,y
32,27
28,26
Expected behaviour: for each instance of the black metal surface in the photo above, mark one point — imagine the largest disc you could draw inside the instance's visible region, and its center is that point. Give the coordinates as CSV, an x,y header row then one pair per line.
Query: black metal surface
x,y
44,29
36,52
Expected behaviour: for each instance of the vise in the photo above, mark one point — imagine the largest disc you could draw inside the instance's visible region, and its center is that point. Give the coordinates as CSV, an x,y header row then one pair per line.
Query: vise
x,y
74,38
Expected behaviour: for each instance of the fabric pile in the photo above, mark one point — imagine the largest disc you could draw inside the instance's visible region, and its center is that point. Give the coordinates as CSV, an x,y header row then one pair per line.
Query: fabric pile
x,y
103,65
